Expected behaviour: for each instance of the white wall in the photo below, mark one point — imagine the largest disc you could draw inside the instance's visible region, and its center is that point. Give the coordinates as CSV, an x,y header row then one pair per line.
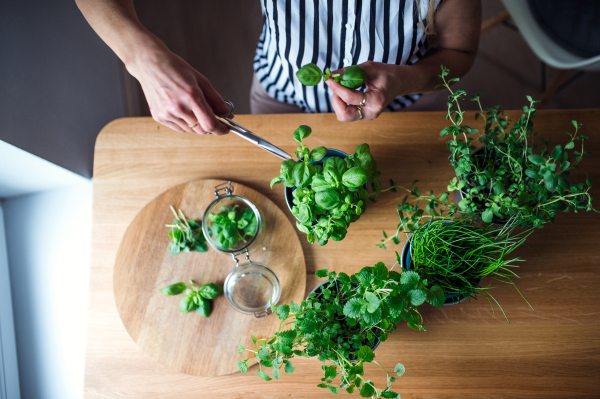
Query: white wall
x,y
9,375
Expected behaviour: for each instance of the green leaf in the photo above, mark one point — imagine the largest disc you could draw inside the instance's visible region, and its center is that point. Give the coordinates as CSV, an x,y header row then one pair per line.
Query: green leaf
x,y
303,172
318,153
551,181
588,180
302,132
437,296
275,373
363,149
417,297
174,248
532,173
487,215
354,177
187,303
203,309
353,308
210,290
570,145
353,77
276,180
264,354
498,187
242,366
372,302
390,394
322,273
333,389
289,369
409,277
365,354
173,289
240,347
367,390
328,199
264,375
557,153
309,74
399,369
282,311
536,159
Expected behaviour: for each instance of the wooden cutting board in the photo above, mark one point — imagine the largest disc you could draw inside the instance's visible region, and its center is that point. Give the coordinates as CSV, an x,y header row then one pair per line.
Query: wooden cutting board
x,y
188,342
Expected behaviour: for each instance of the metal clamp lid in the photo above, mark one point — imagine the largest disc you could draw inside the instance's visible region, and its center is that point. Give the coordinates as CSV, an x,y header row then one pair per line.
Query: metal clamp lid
x,y
226,186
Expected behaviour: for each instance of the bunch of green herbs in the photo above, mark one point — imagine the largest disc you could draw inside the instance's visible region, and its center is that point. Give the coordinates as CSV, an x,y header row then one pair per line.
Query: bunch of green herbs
x,y
232,225
513,177
340,323
329,195
196,298
186,235
353,77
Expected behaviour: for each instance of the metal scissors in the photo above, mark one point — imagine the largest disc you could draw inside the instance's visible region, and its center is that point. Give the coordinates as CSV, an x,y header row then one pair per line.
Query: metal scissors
x,y
248,135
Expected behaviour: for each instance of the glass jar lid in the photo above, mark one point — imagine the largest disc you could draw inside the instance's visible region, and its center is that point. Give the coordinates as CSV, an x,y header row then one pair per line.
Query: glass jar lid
x,y
252,289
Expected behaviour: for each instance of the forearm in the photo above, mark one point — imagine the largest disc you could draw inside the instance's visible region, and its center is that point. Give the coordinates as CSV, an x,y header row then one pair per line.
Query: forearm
x,y
116,22
421,77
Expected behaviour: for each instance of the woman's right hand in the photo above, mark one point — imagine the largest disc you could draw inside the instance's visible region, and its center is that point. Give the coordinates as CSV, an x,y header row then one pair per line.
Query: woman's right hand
x,y
178,95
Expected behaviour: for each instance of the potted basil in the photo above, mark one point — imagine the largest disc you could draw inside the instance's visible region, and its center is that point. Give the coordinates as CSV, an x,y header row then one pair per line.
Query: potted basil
x,y
325,190
342,321
514,175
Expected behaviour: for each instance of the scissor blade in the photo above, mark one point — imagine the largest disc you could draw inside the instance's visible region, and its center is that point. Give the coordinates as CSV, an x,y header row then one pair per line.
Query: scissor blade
x,y
255,139
278,152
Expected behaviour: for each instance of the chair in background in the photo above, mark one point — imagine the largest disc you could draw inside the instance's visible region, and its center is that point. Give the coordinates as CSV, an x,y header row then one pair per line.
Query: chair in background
x,y
546,47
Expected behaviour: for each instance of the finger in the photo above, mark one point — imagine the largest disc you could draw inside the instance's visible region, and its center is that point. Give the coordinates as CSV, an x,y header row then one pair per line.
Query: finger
x,y
344,112
190,120
339,71
173,126
181,123
205,115
349,96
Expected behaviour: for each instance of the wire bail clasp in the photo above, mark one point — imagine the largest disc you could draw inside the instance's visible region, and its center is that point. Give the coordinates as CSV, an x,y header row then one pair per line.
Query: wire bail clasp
x,y
226,186
234,255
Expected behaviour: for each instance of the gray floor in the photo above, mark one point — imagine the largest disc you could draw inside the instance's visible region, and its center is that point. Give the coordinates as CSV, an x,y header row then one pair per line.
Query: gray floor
x,y
219,38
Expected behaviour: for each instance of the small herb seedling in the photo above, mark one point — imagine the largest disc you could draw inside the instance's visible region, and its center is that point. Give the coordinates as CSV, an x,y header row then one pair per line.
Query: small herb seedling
x,y
196,298
341,323
186,235
231,225
353,77
329,194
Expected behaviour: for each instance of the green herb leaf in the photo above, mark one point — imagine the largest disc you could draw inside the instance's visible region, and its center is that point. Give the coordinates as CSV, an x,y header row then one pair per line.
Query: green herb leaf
x,y
210,290
203,308
570,145
557,153
303,173
264,375
354,308
354,177
487,215
536,159
275,373
588,180
318,153
353,77
366,354
367,390
302,132
282,311
309,74
173,289
264,354
187,303
241,348
399,369
242,366
322,273
372,302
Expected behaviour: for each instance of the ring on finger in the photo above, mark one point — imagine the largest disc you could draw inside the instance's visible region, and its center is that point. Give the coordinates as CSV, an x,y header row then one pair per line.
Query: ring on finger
x,y
194,125
360,113
364,100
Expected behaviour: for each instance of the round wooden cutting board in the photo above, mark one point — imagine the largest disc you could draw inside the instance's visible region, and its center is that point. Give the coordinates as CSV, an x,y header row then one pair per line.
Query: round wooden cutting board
x,y
188,342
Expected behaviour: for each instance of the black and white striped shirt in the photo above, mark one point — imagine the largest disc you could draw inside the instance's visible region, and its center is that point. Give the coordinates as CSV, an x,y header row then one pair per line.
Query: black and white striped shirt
x,y
335,34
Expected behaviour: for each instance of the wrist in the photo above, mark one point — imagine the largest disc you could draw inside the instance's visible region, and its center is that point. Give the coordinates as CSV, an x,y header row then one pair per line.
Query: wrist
x,y
144,48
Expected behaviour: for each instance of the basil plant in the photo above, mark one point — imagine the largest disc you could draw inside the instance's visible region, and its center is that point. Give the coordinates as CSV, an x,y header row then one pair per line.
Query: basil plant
x,y
328,193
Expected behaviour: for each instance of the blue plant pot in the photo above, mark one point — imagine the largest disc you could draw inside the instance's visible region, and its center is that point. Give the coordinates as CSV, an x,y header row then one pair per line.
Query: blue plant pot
x,y
331,152
318,289
451,299
459,195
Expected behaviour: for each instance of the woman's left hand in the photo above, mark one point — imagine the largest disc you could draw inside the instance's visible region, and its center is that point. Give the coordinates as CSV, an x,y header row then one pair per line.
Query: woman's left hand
x,y
383,85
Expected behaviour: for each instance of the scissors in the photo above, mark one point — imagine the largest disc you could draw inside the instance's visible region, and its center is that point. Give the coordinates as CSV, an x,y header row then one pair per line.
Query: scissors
x,y
248,135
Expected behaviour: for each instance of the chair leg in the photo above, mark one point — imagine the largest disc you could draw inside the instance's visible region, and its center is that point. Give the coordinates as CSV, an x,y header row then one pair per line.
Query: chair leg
x,y
494,21
558,80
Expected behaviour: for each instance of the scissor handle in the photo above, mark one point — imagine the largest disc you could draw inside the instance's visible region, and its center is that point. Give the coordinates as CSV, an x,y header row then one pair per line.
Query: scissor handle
x,y
229,106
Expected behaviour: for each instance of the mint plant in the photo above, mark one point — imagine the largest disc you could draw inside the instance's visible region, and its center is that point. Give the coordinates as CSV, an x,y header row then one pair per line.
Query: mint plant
x,y
329,194
231,225
186,235
353,77
513,177
340,323
196,298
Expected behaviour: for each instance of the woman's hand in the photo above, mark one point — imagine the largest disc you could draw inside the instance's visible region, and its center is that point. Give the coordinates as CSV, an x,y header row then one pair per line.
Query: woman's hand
x,y
178,95
384,83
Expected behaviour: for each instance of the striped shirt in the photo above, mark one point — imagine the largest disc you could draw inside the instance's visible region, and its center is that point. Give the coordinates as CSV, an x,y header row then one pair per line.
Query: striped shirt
x,y
335,34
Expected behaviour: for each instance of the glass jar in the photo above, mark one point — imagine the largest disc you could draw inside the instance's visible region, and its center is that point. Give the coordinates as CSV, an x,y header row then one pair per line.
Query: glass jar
x,y
250,288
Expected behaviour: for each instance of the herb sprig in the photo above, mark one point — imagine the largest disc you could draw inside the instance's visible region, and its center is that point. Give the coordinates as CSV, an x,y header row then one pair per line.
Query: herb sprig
x,y
196,298
341,323
353,77
331,195
186,235
513,177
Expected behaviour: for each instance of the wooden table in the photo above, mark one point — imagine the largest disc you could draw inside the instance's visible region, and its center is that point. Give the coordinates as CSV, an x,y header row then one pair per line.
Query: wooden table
x,y
467,352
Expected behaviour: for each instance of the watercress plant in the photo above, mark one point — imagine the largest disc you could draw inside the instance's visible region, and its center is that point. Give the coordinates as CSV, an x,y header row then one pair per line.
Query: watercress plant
x,y
232,225
186,235
513,177
196,298
340,323
329,194
353,77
